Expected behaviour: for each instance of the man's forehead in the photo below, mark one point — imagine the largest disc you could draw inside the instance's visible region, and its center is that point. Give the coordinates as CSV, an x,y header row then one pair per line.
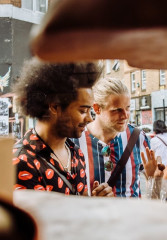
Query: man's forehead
x,y
116,97
85,91
85,94
118,101
84,98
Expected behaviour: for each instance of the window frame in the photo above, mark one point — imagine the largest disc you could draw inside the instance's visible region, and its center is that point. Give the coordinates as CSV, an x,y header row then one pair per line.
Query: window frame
x,y
162,79
133,82
34,6
143,79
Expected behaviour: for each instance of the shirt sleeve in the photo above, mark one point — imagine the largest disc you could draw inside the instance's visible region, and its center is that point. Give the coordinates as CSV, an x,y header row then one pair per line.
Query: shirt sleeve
x,y
82,179
27,175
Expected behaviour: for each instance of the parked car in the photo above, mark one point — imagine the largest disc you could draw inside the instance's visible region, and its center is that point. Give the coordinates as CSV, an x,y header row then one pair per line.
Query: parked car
x,y
148,129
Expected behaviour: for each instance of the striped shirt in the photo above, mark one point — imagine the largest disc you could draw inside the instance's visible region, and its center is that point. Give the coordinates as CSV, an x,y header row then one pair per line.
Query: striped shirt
x,y
128,184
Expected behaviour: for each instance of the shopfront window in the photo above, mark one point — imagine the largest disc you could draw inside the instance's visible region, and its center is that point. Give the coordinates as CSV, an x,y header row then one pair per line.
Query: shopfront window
x,y
35,5
27,4
161,114
41,6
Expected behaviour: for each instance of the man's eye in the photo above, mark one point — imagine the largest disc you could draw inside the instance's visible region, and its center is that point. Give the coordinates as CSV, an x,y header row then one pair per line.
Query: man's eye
x,y
83,111
116,110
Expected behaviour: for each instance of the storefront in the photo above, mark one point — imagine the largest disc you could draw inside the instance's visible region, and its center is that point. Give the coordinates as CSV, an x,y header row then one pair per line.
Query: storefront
x,y
141,110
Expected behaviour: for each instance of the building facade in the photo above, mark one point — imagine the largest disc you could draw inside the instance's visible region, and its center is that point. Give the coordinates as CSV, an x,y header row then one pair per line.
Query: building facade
x,y
147,88
16,20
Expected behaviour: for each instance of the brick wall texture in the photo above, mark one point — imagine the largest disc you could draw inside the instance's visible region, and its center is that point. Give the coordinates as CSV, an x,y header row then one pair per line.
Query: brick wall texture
x,y
16,3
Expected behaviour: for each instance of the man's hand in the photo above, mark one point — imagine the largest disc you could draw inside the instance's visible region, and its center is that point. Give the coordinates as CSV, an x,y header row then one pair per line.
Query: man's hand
x,y
153,167
102,190
158,173
165,173
150,165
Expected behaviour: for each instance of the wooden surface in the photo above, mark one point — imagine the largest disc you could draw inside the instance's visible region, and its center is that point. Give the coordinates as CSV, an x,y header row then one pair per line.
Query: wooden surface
x,y
6,168
75,30
71,218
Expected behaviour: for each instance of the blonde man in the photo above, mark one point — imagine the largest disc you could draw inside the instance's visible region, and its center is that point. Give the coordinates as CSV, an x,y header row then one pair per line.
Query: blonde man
x,y
105,139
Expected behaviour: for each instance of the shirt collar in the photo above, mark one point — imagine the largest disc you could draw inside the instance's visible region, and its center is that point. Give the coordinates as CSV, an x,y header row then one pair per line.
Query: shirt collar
x,y
37,144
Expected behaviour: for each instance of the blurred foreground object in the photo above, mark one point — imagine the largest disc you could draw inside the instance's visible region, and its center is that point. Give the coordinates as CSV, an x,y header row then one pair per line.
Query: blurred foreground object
x,y
75,30
6,168
68,217
15,224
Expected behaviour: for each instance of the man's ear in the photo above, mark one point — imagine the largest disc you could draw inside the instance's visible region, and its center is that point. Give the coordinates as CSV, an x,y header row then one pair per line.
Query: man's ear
x,y
53,108
96,108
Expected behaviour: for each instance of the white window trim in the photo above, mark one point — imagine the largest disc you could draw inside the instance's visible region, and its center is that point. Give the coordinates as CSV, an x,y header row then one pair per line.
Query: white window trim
x,y
108,66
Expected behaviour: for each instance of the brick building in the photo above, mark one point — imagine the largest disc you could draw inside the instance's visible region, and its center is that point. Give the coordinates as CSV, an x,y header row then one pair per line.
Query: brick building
x,y
147,88
16,20
148,92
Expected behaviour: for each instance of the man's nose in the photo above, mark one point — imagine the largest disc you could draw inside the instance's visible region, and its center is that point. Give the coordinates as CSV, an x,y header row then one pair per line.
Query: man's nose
x,y
88,118
125,114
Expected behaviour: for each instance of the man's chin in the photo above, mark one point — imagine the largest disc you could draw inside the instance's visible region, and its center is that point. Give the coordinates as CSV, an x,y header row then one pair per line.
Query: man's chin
x,y
77,135
122,128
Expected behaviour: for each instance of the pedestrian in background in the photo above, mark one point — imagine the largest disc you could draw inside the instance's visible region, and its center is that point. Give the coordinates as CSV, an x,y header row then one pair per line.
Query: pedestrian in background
x,y
159,142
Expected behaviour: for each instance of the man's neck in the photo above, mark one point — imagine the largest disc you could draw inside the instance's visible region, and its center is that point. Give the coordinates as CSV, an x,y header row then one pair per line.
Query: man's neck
x,y
100,133
44,130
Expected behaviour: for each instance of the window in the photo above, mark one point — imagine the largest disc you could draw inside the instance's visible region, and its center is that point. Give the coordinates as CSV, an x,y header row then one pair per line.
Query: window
x,y
159,114
41,6
162,77
143,79
27,4
116,65
133,83
108,66
35,5
132,104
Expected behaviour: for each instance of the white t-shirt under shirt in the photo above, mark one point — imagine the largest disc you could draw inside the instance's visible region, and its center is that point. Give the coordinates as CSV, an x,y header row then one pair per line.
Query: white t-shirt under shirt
x,y
159,147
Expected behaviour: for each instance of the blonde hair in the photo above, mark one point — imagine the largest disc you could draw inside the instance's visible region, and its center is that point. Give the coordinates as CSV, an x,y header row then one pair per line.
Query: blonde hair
x,y
107,86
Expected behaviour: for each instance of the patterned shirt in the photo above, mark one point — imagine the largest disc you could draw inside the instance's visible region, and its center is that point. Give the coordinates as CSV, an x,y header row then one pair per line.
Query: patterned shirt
x,y
128,184
32,172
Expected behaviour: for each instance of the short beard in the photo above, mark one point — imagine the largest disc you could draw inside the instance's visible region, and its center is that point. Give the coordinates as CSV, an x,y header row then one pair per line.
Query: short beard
x,y
62,130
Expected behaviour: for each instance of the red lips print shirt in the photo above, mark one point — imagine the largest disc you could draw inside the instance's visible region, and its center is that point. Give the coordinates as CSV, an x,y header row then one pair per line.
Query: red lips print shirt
x,y
34,173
